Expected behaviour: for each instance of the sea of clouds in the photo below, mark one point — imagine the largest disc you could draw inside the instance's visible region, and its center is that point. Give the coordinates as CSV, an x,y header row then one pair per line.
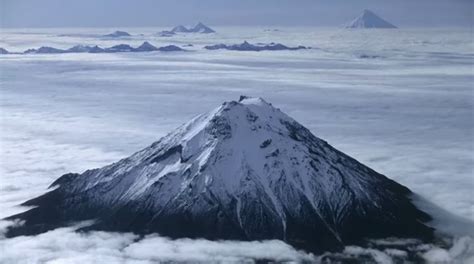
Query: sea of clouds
x,y
406,112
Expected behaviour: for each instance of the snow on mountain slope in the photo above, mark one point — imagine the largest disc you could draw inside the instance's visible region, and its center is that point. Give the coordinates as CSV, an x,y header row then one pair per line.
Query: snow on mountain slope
x,y
243,171
369,19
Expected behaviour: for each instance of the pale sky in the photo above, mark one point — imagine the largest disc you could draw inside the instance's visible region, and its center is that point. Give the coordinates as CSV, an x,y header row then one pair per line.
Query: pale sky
x,y
128,13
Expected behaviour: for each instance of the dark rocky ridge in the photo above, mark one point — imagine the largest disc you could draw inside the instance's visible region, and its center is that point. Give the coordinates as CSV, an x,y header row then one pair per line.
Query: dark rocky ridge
x,y
117,34
245,46
144,47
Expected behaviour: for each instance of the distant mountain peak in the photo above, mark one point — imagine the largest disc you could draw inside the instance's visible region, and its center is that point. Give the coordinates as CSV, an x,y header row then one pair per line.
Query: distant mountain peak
x,y
118,34
198,28
180,29
146,46
368,19
201,28
244,171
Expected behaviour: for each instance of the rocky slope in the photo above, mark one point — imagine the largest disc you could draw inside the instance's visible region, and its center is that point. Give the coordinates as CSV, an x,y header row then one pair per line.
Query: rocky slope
x,y
243,171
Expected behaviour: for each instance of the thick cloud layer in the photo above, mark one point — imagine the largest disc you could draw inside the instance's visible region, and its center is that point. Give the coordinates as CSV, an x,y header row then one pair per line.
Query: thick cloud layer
x,y
406,112
64,246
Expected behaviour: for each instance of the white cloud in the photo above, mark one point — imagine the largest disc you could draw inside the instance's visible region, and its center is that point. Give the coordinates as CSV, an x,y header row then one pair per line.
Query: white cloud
x,y
65,246
462,251
407,115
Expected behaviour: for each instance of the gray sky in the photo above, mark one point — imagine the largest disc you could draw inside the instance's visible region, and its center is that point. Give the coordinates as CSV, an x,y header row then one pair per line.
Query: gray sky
x,y
128,13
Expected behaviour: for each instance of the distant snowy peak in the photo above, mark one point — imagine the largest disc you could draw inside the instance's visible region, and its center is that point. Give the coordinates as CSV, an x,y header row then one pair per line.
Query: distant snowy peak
x,y
4,51
244,171
118,34
369,19
199,28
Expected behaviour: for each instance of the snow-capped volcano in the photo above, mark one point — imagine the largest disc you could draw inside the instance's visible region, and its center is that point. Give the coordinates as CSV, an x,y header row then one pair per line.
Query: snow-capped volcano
x,y
243,171
369,19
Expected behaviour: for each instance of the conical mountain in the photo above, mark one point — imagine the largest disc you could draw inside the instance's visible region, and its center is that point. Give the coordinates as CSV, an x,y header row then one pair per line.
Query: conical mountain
x,y
201,28
180,29
146,46
244,171
369,19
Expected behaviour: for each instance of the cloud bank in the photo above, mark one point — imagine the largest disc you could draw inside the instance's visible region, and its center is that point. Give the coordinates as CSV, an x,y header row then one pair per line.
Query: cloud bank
x,y
65,246
407,114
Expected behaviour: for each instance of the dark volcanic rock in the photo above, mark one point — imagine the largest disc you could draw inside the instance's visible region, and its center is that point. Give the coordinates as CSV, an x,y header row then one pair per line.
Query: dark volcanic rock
x,y
245,46
146,46
96,49
201,28
81,49
170,48
166,33
118,34
45,50
243,171
198,28
119,48
180,29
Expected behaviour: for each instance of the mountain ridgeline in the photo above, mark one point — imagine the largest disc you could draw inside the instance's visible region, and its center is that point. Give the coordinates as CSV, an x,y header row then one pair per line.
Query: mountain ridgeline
x,y
243,171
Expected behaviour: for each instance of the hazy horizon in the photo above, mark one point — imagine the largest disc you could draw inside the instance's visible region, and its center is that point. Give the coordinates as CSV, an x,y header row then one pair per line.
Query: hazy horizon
x,y
147,13
139,148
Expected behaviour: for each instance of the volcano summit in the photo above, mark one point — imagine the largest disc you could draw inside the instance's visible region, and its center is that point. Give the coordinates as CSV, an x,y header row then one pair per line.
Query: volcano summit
x,y
244,171
369,19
